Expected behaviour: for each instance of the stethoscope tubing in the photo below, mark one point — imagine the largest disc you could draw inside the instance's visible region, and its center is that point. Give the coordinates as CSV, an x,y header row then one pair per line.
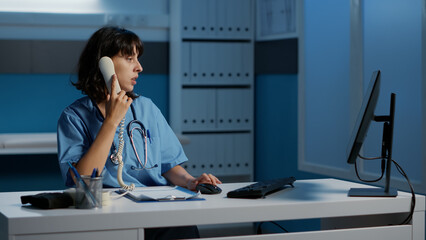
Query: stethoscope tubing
x,y
143,131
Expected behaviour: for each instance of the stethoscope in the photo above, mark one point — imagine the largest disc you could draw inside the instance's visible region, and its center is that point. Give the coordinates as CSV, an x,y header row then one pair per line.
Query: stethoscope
x,y
136,125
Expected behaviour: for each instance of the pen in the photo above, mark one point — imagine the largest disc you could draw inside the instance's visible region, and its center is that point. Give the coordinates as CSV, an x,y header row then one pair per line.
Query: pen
x,y
94,173
87,191
149,136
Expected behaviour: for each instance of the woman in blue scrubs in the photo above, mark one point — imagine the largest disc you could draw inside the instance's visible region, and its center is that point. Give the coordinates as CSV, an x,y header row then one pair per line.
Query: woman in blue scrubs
x,y
88,129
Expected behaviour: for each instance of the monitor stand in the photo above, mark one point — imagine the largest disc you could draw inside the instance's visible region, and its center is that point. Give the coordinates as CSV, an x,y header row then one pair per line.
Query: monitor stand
x,y
386,153
376,191
372,192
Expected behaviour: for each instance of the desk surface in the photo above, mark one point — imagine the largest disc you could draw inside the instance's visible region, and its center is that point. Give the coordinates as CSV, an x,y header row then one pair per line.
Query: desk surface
x,y
321,198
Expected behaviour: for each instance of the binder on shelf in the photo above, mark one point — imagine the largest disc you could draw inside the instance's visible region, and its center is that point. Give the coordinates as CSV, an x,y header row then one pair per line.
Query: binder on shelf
x,y
201,153
206,107
202,19
189,110
233,13
245,113
246,20
221,21
205,62
248,64
211,19
198,112
197,17
195,62
188,6
210,63
233,68
223,109
243,153
192,152
217,55
221,63
226,151
235,116
228,62
238,58
185,63
239,29
214,61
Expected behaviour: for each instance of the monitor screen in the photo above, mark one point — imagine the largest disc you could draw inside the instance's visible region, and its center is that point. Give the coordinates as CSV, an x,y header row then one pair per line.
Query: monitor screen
x,y
365,116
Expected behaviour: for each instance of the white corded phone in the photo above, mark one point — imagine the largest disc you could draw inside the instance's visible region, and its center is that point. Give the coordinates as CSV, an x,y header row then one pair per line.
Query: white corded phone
x,y
107,69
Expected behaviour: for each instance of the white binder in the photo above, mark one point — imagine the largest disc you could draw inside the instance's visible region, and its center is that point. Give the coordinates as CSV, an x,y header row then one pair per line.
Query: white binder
x,y
234,109
195,62
225,151
198,109
243,157
228,62
202,19
224,114
248,64
215,63
187,19
201,153
222,18
246,19
211,19
186,66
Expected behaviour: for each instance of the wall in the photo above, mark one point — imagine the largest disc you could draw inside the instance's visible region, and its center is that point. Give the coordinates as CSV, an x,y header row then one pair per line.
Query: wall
x,y
276,127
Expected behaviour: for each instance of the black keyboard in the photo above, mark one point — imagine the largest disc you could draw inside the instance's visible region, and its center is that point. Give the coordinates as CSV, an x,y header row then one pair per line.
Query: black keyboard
x,y
262,188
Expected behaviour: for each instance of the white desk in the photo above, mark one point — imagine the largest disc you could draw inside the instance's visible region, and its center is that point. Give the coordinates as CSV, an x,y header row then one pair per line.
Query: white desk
x,y
356,218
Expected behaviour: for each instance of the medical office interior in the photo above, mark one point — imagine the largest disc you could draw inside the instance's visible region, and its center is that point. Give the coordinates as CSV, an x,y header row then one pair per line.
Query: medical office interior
x,y
255,89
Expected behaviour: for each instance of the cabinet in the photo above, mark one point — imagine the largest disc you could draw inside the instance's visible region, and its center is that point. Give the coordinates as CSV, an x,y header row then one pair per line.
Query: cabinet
x,y
212,84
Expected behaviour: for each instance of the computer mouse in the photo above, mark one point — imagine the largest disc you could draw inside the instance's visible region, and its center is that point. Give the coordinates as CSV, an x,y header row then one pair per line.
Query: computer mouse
x,y
206,188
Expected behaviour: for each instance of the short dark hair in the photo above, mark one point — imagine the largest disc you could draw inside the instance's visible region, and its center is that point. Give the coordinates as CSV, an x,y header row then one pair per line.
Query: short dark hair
x,y
107,41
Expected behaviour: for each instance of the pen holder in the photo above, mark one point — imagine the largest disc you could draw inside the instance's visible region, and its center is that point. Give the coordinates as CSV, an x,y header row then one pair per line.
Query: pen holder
x,y
82,198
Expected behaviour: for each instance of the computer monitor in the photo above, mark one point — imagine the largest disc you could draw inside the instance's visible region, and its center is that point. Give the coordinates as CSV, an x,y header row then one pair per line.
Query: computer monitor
x,y
365,117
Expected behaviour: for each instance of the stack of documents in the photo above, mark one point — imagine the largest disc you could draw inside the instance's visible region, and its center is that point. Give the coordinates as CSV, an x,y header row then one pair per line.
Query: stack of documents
x,y
161,193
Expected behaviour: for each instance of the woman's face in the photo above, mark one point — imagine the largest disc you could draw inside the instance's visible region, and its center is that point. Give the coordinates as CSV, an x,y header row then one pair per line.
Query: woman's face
x,y
127,69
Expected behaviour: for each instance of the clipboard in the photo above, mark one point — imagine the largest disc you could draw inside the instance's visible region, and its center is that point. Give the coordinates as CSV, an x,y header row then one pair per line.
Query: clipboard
x,y
160,194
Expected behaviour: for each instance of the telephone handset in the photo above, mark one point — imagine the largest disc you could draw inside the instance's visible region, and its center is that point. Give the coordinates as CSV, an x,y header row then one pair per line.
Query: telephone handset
x,y
107,69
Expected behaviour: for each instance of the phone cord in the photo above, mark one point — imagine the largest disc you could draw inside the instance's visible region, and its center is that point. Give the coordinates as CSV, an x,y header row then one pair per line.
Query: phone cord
x,y
120,159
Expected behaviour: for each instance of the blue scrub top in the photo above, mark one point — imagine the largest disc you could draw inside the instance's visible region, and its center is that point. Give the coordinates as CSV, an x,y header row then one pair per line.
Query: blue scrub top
x,y
80,123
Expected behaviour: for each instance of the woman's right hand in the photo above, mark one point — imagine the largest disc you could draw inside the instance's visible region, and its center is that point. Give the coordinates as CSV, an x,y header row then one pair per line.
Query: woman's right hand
x,y
116,104
116,107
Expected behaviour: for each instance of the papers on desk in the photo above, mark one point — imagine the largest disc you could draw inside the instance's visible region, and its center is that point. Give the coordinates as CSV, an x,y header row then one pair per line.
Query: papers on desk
x,y
161,193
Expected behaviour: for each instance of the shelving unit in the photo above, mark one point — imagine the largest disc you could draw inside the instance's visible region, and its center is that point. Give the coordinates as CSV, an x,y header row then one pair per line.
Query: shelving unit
x,y
212,84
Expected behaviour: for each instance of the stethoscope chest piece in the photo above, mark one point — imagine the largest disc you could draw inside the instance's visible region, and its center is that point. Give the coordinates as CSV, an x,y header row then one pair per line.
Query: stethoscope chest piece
x,y
114,159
